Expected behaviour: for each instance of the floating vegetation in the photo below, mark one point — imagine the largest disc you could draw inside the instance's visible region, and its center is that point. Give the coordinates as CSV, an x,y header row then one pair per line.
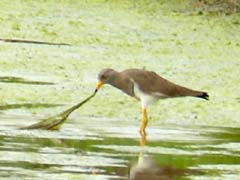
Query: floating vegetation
x,y
12,79
27,105
55,122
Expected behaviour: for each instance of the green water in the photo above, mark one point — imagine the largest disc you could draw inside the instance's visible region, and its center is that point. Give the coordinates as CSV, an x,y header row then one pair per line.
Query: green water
x,y
99,148
187,138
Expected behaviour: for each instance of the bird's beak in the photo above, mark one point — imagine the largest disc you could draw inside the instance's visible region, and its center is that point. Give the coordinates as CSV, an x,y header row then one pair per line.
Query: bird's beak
x,y
99,85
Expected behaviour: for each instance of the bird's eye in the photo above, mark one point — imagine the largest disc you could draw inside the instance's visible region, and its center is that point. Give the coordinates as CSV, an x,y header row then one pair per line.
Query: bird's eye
x,y
103,77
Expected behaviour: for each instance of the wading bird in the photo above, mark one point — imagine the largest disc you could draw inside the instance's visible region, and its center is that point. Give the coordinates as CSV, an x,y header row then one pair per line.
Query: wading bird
x,y
145,86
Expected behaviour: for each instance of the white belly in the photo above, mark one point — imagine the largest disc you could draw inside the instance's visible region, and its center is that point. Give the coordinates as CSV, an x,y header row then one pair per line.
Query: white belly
x,y
146,99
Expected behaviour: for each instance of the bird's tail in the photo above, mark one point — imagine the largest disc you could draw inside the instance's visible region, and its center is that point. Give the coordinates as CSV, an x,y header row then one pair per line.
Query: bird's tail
x,y
179,91
203,95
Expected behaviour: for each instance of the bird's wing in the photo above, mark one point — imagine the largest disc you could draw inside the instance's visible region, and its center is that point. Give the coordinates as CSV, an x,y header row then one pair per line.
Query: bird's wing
x,y
151,83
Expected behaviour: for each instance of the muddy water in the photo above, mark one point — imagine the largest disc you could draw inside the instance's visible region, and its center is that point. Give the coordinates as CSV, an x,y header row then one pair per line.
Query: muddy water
x,y
97,148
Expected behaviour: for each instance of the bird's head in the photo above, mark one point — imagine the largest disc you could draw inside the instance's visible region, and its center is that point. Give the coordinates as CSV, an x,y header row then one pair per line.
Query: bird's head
x,y
105,76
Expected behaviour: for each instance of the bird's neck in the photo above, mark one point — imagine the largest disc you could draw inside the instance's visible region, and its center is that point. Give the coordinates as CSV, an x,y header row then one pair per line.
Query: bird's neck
x,y
116,80
122,83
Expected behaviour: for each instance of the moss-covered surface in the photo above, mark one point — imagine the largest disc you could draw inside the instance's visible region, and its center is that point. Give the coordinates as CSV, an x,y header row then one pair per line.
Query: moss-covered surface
x,y
194,50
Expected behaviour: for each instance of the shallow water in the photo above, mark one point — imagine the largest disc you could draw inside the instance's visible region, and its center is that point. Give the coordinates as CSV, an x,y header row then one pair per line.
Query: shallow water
x,y
96,148
37,80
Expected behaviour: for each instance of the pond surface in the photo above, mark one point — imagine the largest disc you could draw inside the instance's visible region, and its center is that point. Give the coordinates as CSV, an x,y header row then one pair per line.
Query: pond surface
x,y
97,148
101,141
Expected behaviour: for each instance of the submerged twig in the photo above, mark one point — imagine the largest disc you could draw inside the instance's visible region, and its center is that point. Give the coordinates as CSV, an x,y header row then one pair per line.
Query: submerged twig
x,y
55,122
32,42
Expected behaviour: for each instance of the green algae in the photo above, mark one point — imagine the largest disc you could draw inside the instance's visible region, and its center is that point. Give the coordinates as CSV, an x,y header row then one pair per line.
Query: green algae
x,y
198,51
27,106
7,79
100,140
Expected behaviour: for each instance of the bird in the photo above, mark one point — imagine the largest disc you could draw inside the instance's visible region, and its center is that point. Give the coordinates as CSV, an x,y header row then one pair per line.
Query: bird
x,y
146,87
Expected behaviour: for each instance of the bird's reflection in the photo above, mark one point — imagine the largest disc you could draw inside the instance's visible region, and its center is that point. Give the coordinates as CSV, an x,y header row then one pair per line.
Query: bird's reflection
x,y
146,168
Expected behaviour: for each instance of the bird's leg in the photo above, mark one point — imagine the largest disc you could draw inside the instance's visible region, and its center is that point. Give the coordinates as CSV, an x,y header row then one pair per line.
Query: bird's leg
x,y
143,122
143,140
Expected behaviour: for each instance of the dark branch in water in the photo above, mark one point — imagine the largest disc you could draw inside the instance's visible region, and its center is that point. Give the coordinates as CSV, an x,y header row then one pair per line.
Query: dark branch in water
x,y
32,42
55,122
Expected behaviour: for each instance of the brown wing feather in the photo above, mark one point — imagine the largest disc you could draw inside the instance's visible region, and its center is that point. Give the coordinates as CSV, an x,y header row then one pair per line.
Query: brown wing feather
x,y
151,82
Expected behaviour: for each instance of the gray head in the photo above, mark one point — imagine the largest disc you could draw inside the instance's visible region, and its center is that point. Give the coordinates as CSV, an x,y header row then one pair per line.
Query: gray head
x,y
106,76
